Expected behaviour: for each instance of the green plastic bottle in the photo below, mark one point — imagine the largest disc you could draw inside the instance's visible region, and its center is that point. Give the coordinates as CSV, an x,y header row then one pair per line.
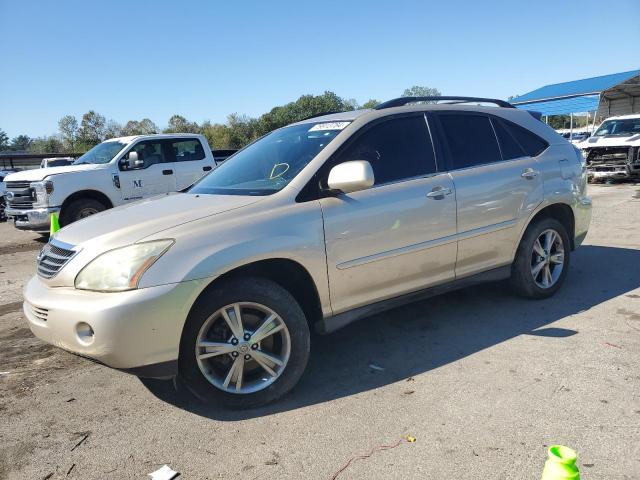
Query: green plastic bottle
x,y
561,464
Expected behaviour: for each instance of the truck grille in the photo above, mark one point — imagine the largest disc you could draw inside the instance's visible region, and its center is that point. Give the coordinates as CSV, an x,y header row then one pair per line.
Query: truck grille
x,y
52,258
22,195
609,155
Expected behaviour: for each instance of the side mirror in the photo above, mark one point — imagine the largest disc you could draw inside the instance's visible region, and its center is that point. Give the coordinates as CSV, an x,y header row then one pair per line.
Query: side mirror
x,y
351,176
131,161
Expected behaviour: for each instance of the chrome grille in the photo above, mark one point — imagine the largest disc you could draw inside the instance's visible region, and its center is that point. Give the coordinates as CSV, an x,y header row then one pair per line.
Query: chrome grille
x,y
40,313
22,195
53,257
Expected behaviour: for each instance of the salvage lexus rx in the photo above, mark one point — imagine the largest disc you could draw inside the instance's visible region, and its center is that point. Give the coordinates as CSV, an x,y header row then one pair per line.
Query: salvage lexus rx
x,y
313,226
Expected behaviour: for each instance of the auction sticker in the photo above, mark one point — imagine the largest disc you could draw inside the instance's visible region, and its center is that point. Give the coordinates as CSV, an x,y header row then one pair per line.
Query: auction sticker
x,y
329,126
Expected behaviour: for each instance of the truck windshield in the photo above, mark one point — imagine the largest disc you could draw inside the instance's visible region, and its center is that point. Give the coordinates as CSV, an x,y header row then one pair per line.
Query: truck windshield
x,y
622,127
101,153
270,163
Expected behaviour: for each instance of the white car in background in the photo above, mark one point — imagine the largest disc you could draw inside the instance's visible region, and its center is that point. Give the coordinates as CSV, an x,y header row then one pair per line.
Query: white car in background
x,y
115,172
613,151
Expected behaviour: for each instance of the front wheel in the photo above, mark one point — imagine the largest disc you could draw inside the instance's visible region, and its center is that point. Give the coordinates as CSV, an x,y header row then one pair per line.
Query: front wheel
x,y
79,209
542,260
245,344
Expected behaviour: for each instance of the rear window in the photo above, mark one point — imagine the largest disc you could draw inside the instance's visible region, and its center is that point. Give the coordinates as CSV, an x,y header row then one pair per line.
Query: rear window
x,y
530,142
470,139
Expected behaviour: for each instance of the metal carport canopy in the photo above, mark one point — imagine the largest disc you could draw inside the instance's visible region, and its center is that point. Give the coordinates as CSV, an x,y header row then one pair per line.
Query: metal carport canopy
x,y
572,97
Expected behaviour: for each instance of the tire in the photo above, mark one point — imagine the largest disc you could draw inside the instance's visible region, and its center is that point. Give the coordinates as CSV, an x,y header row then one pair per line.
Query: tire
x,y
526,261
79,209
290,344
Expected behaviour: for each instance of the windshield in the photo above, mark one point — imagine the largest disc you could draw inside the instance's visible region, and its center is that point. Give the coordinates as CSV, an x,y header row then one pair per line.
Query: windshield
x,y
270,163
626,127
102,153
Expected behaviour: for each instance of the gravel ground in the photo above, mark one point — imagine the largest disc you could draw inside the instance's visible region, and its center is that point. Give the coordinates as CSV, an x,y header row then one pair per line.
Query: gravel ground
x,y
483,380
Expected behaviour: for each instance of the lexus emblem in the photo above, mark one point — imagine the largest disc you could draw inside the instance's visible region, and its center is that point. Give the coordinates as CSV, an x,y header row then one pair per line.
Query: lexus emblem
x,y
10,195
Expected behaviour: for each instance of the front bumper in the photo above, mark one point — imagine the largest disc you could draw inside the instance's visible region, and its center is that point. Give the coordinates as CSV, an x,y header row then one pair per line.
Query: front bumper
x,y
137,331
36,219
613,171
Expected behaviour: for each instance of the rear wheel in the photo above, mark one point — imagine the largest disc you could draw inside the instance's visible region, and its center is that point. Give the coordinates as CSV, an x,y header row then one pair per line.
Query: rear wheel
x,y
246,343
79,209
542,260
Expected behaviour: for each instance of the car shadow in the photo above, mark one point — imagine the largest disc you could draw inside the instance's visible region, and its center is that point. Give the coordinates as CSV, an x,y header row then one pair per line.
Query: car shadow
x,y
425,335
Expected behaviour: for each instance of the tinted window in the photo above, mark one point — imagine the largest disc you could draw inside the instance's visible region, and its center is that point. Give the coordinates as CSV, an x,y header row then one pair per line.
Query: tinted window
x,y
150,152
471,140
531,143
187,150
397,149
508,146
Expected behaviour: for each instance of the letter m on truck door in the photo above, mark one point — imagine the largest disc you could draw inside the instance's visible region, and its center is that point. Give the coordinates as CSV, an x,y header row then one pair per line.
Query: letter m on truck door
x,y
154,175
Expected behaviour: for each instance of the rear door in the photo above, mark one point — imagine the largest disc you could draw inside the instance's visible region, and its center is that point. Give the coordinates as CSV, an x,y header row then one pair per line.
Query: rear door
x,y
497,184
155,176
399,235
191,162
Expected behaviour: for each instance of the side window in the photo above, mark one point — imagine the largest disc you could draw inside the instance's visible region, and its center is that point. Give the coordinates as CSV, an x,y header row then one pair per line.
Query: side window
x,y
470,139
187,150
508,146
531,143
150,152
397,149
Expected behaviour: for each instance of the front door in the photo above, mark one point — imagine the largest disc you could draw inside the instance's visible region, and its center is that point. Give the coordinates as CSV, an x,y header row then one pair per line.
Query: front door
x,y
399,235
156,175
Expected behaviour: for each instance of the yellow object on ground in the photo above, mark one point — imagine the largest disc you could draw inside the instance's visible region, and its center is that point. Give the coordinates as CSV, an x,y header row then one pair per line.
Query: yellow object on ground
x,y
561,464
55,225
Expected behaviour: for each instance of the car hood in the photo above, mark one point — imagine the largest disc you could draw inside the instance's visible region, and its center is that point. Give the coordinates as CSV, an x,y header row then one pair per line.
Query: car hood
x,y
38,174
132,222
610,141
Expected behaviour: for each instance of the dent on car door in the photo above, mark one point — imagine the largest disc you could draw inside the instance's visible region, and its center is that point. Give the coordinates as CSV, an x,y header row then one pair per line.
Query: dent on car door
x,y
497,186
154,175
398,236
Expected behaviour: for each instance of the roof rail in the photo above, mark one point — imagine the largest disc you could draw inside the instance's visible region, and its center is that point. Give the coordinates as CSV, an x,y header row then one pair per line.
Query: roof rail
x,y
399,102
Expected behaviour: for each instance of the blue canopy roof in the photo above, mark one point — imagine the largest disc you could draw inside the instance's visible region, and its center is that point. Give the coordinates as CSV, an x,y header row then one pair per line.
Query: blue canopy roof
x,y
564,106
594,85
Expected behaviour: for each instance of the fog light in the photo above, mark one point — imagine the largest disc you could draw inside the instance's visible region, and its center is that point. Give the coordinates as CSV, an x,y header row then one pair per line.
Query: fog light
x,y
85,333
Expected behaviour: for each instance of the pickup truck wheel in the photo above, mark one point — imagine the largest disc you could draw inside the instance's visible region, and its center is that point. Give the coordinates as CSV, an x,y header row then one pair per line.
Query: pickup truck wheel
x,y
245,344
79,209
542,260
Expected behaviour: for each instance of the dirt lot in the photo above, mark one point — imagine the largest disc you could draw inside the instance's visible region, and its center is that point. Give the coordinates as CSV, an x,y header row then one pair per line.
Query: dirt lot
x,y
483,380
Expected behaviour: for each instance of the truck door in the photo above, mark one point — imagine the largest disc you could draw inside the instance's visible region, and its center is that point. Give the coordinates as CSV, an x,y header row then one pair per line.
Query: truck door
x,y
191,162
155,174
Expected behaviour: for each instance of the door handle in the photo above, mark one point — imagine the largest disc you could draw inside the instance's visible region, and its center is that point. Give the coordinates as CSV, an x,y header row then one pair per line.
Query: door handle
x,y
529,174
438,193
206,169
167,172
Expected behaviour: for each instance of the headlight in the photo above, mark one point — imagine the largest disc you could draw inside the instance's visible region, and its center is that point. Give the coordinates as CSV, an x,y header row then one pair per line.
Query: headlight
x,y
121,269
42,190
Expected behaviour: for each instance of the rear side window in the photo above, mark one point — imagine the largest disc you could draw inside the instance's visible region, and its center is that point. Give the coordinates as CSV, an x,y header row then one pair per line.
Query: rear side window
x,y
470,139
187,150
530,142
508,146
397,149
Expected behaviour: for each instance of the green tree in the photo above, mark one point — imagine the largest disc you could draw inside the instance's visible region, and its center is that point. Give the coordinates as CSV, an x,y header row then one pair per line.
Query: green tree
x,y
142,127
418,91
92,129
20,143
371,103
46,145
4,141
68,129
217,134
179,124
112,129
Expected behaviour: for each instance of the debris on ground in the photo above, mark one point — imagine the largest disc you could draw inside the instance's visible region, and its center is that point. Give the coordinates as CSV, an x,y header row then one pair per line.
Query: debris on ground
x,y
82,440
163,473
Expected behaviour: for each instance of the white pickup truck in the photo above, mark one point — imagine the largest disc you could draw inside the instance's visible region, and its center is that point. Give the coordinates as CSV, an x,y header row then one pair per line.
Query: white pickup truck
x,y
117,171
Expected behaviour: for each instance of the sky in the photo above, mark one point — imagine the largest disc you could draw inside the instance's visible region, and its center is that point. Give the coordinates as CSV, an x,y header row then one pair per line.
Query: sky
x,y
206,59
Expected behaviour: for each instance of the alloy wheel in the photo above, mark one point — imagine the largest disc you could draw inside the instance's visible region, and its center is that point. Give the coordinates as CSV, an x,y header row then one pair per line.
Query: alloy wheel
x,y
243,347
547,259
